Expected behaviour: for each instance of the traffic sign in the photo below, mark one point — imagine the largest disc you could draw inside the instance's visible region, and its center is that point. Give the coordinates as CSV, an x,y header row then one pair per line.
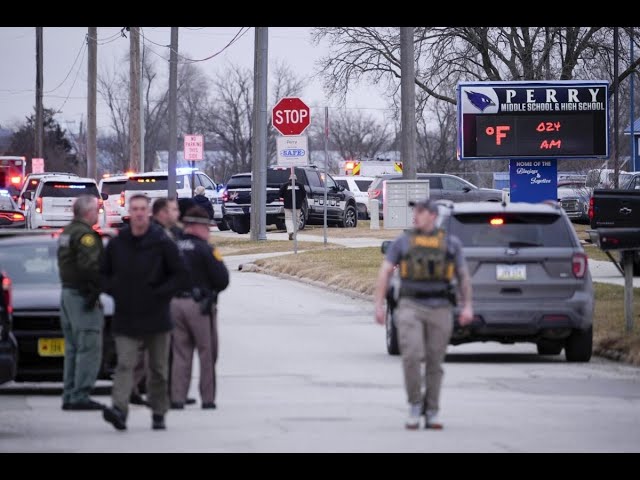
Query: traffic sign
x,y
193,147
290,116
37,165
293,151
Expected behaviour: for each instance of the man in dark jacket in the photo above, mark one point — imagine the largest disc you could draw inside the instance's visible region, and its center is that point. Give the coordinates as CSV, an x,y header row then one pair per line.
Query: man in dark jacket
x,y
142,271
194,311
287,193
202,201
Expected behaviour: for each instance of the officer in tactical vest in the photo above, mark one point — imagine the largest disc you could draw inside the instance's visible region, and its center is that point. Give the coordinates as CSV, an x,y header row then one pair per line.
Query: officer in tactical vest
x,y
79,255
193,311
427,260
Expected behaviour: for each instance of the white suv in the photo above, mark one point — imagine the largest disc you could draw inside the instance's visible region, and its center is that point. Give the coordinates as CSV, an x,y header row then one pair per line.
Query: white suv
x,y
359,186
155,185
113,186
30,184
54,197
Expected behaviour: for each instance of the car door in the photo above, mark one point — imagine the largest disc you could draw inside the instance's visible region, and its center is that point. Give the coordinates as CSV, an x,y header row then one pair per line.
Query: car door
x,y
335,199
454,189
435,186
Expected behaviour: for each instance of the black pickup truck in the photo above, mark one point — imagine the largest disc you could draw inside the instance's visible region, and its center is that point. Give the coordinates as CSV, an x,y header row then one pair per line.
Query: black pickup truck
x,y
614,216
341,203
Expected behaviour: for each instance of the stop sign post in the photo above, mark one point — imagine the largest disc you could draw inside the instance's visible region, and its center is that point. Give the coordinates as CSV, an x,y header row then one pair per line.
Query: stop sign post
x,y
290,116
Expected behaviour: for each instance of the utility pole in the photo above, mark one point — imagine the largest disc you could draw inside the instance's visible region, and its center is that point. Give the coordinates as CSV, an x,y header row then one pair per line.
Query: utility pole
x,y
173,108
259,147
616,159
134,99
39,108
92,76
407,104
142,114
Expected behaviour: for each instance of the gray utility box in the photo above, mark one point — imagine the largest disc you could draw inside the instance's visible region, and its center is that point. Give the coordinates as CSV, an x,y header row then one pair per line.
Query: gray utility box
x,y
397,194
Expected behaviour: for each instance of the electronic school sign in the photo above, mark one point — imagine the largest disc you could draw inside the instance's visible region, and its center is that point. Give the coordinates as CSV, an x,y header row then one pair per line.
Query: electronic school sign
x,y
562,119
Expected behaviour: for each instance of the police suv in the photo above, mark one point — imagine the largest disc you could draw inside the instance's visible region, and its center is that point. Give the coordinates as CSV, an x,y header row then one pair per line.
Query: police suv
x,y
341,203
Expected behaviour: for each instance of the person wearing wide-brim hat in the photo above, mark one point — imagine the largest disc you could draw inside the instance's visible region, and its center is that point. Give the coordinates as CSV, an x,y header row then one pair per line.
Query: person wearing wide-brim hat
x,y
194,311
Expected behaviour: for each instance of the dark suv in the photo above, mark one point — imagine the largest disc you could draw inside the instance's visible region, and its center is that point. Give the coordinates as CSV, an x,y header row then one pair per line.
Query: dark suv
x,y
530,277
442,186
341,203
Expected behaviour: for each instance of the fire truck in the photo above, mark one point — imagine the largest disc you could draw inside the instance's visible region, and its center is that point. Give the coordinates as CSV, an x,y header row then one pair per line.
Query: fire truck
x,y
12,173
370,168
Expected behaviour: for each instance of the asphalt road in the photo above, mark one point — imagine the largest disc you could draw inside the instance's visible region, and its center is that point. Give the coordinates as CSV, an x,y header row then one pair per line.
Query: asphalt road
x,y
303,369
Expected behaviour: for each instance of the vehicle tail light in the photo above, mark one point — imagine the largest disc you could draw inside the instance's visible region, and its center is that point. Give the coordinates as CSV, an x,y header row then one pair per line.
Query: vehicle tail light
x,y
100,205
374,193
591,209
17,217
16,180
579,265
121,199
6,292
496,221
39,205
225,196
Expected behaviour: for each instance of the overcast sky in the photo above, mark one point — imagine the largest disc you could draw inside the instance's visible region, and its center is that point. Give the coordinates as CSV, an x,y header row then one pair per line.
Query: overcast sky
x,y
65,82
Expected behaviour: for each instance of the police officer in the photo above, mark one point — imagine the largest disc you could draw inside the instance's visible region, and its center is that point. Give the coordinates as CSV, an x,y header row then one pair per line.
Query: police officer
x,y
428,259
194,311
79,255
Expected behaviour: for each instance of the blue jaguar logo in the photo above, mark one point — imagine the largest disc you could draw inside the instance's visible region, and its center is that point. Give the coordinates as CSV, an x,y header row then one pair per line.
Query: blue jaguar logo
x,y
479,100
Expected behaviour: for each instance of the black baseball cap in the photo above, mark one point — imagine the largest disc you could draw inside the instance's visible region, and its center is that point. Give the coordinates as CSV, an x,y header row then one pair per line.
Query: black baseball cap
x,y
426,204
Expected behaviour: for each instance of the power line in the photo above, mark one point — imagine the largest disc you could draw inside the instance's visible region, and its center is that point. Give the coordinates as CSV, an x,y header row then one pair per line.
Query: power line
x,y
82,45
59,110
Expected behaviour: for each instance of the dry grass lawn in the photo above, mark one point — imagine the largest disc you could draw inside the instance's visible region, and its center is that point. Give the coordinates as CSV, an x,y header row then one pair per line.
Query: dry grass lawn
x,y
242,246
362,230
356,269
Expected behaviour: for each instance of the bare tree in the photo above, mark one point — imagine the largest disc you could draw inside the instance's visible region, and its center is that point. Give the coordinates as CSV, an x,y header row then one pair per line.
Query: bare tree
x,y
113,87
446,55
357,135
436,140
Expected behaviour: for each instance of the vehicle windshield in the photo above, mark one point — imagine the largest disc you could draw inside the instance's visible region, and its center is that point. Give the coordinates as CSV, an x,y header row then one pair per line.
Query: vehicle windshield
x,y
31,263
68,190
513,230
113,188
243,181
146,183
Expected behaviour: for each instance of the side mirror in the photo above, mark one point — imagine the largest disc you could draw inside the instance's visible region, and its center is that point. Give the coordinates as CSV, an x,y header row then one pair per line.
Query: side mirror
x,y
104,196
466,189
385,246
28,196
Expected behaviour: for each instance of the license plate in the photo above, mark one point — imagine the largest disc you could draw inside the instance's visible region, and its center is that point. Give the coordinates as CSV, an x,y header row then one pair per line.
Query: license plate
x,y
51,347
67,209
511,272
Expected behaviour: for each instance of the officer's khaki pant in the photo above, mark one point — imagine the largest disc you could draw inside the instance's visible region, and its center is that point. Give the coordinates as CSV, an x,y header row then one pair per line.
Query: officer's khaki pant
x,y
288,218
423,331
193,330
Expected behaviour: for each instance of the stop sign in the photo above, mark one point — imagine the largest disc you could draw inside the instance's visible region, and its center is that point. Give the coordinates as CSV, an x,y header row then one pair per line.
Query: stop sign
x,y
290,116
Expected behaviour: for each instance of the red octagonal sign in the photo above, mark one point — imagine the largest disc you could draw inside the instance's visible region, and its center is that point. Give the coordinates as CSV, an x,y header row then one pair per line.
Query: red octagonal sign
x,y
290,116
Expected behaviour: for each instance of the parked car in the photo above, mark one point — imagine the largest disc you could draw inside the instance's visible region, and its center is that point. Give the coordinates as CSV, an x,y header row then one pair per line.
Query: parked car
x,y
531,281
54,197
10,214
359,186
442,186
31,262
574,199
8,344
114,210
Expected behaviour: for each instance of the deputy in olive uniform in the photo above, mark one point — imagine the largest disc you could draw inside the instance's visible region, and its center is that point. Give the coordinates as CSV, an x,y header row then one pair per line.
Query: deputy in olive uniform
x,y
194,311
428,259
79,255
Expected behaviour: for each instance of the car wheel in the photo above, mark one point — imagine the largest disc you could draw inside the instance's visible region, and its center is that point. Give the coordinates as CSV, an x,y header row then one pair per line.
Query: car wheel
x,y
280,225
579,346
241,225
222,225
350,219
393,347
302,220
549,347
